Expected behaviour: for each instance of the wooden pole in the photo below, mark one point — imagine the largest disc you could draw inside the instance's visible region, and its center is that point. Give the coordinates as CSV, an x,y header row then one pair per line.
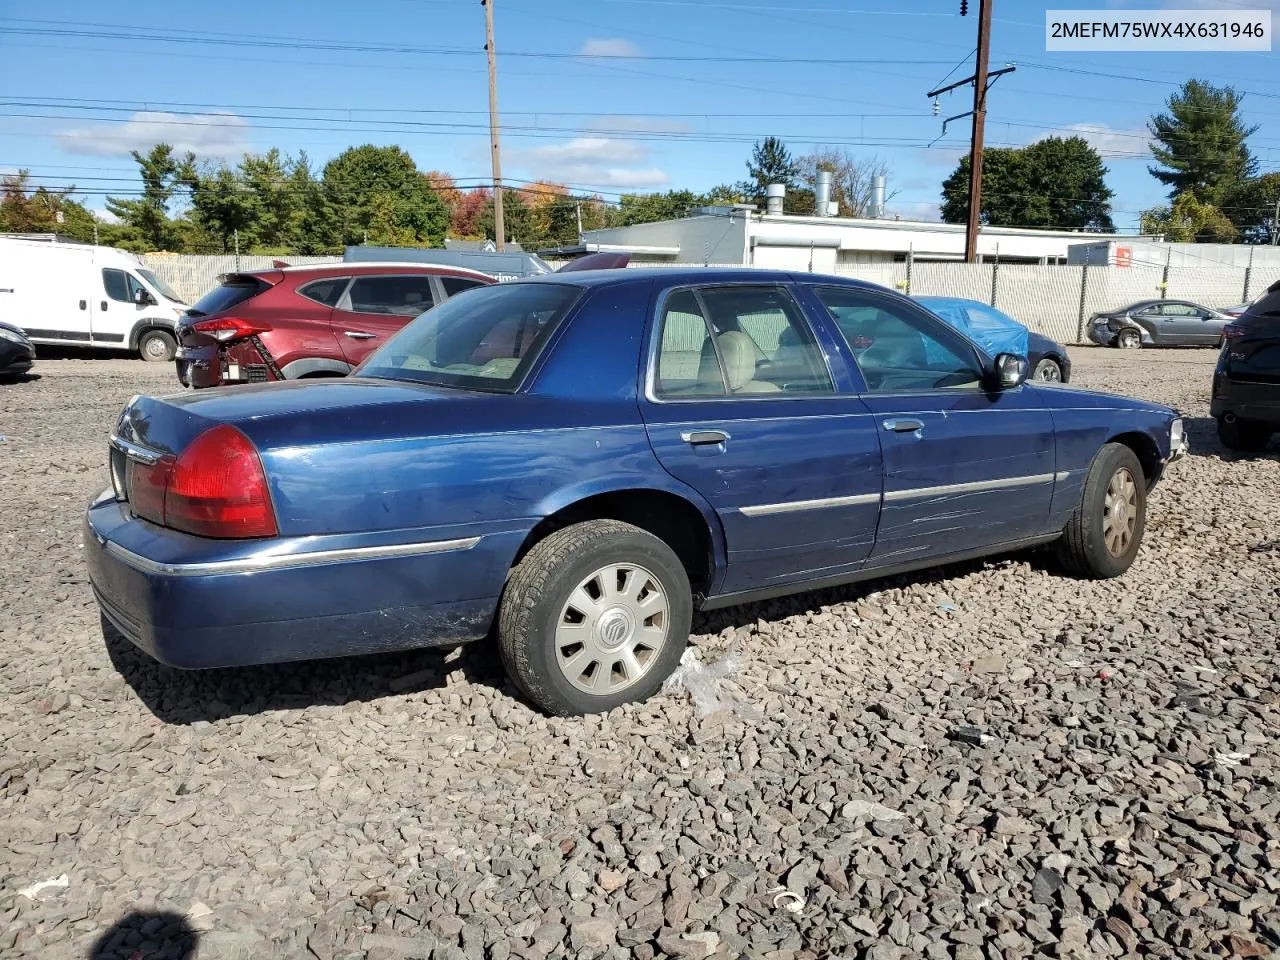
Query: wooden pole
x,y
979,132
499,227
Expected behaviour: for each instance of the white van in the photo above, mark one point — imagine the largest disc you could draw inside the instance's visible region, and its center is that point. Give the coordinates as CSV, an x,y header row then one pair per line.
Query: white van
x,y
76,294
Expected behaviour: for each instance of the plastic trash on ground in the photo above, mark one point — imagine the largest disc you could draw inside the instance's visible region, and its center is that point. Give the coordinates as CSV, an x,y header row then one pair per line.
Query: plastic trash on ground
x,y
702,681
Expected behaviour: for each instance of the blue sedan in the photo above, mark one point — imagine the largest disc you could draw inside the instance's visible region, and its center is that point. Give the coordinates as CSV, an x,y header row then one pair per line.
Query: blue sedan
x,y
573,464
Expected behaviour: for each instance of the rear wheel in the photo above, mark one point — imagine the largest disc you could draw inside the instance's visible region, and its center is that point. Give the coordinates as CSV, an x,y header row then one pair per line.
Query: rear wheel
x,y
157,346
1128,339
1243,435
1103,535
1047,371
594,616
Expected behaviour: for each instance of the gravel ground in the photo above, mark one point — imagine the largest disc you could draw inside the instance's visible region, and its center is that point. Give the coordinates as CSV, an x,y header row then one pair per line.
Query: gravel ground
x,y
411,806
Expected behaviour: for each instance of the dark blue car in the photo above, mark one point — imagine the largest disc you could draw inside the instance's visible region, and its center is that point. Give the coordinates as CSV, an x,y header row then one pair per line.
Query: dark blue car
x,y
575,463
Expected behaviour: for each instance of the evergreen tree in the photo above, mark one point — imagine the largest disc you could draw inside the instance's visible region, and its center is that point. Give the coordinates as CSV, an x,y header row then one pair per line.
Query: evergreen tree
x,y
1201,142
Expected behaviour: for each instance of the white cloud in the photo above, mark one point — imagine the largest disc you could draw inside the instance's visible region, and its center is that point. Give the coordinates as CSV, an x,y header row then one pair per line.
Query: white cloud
x,y
930,212
206,135
1106,139
609,47
592,161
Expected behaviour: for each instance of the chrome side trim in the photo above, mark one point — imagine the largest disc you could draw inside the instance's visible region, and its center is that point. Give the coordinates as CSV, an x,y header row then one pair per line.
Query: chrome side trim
x,y
977,486
1061,475
284,560
133,451
768,509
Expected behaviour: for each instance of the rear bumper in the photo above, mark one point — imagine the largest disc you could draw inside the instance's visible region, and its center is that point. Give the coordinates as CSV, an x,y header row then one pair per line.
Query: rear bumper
x,y
217,364
289,599
1259,402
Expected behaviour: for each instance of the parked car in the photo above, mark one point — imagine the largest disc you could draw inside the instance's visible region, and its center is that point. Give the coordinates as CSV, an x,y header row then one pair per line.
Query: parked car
x,y
995,330
645,443
1246,383
16,352
1159,323
316,321
74,294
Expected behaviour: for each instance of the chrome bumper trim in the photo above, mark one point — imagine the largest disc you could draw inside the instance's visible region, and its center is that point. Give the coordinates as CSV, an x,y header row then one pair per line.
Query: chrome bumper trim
x,y
977,486
279,561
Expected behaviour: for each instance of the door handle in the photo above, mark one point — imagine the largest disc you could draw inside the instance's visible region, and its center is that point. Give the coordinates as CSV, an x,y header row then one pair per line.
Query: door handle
x,y
700,438
84,304
906,425
359,335
103,305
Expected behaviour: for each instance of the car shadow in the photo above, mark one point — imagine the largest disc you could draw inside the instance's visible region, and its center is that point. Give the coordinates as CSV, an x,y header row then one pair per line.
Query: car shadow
x,y
9,378
183,697
1202,435
147,934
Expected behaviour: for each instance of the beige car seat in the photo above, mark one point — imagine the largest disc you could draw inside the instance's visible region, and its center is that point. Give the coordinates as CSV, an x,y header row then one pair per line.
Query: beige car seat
x,y
740,356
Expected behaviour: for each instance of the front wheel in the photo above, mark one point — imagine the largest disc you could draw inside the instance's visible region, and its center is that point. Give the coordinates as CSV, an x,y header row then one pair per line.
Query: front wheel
x,y
1128,339
1243,435
157,346
1047,371
1102,537
594,616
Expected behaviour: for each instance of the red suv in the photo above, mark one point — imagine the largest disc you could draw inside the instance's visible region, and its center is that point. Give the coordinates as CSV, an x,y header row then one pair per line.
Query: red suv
x,y
297,322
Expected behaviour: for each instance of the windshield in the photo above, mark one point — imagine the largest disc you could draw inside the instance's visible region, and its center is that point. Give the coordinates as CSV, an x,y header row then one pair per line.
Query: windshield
x,y
166,291
485,340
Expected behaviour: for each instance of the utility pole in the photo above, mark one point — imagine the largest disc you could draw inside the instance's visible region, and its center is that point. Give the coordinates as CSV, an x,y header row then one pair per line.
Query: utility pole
x,y
979,130
499,227
982,80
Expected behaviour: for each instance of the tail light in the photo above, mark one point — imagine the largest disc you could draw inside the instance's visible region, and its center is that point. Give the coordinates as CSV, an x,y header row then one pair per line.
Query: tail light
x,y
1232,332
229,328
216,488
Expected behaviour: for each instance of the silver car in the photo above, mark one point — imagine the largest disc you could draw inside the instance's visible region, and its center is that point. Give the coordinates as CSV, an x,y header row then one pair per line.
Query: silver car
x,y
1159,323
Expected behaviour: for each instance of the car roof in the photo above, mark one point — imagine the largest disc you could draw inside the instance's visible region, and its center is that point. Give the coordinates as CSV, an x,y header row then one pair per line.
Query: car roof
x,y
367,268
694,275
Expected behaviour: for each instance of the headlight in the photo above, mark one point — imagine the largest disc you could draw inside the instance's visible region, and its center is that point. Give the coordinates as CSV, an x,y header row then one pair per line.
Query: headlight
x,y
7,334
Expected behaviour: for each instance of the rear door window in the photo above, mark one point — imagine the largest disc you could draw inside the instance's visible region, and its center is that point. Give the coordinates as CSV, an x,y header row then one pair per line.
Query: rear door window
x,y
327,291
455,285
392,296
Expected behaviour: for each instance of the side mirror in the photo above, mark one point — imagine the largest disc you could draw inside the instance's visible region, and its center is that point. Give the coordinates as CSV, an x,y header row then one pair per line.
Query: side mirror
x,y
1010,371
141,297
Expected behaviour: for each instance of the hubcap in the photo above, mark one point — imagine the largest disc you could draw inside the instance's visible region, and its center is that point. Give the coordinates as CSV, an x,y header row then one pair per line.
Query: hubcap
x,y
1121,512
1048,372
611,629
155,347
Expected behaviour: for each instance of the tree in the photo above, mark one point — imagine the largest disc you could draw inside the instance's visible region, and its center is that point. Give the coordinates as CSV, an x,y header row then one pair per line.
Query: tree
x,y
42,210
162,174
1054,183
636,208
464,219
1201,144
266,177
770,163
313,230
1251,207
378,193
224,207
853,178
515,218
1189,220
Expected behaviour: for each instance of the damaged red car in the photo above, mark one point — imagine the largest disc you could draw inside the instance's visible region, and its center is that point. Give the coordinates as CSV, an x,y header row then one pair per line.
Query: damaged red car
x,y
292,323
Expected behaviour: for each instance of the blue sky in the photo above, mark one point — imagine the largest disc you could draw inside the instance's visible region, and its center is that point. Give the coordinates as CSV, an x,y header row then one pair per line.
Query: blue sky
x,y
671,94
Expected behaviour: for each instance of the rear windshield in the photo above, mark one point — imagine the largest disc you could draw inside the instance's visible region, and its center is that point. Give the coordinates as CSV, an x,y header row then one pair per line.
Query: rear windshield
x,y
486,340
233,292
1267,306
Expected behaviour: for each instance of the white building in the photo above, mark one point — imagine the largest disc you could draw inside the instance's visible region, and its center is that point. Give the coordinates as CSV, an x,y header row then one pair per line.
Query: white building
x,y
738,235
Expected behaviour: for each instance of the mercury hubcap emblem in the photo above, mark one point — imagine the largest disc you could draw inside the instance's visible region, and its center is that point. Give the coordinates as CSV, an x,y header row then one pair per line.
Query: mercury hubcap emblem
x,y
614,628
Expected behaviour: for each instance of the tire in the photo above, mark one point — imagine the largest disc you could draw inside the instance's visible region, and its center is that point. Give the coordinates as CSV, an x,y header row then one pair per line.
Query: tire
x,y
539,620
157,346
1128,340
1244,435
1091,545
1047,371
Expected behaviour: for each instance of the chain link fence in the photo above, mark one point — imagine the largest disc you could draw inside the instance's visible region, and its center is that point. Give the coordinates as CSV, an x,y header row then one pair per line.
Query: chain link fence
x,y
1054,300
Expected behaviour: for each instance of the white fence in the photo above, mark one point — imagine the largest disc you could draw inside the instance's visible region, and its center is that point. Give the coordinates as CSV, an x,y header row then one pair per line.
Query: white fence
x,y
1053,300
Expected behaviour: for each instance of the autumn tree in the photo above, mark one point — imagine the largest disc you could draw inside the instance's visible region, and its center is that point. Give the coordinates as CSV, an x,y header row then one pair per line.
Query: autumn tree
x,y
1189,220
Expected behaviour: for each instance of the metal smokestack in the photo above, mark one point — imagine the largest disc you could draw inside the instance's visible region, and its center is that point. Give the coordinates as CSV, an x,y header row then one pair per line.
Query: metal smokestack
x,y
877,198
822,194
775,194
